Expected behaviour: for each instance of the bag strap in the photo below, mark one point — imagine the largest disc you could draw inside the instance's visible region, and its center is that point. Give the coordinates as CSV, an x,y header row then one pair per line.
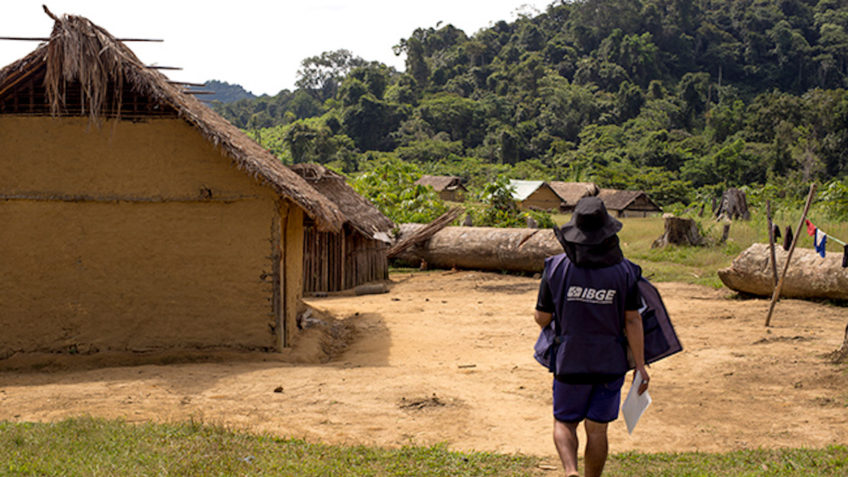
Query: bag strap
x,y
557,335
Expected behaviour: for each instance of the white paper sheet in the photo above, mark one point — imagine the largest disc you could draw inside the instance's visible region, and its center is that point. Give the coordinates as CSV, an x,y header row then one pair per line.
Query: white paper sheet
x,y
634,404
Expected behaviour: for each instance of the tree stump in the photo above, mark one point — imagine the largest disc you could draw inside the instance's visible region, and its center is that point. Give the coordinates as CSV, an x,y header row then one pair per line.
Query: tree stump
x,y
679,231
733,205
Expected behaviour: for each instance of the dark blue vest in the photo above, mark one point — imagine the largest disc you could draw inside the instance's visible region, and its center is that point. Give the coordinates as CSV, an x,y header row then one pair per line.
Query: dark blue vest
x,y
589,306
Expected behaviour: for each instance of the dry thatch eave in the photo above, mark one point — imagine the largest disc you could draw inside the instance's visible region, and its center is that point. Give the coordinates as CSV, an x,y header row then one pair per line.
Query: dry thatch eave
x,y
440,183
571,192
621,199
359,212
80,51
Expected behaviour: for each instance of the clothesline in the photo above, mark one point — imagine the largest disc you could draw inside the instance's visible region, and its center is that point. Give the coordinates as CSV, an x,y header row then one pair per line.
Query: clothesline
x,y
820,241
840,242
811,230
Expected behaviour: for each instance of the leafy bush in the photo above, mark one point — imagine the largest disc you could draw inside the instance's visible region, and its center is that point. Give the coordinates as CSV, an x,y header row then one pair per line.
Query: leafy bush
x,y
390,185
500,210
834,199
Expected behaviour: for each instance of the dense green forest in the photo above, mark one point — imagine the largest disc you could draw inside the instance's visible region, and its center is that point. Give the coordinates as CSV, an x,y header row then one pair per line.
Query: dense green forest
x,y
681,98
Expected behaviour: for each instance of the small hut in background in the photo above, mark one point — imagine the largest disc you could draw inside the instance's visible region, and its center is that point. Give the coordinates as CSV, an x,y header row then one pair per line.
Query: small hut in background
x,y
134,218
535,195
571,192
356,254
448,187
629,203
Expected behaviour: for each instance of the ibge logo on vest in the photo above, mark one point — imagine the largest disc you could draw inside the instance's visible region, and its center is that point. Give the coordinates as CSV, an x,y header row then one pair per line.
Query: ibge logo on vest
x,y
591,295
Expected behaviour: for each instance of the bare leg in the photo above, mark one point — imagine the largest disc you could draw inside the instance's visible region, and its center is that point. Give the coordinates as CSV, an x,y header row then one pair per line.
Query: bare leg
x,y
596,448
565,440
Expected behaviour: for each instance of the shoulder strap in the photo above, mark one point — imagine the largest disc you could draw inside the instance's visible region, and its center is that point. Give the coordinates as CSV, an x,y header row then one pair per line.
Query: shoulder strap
x,y
634,276
557,333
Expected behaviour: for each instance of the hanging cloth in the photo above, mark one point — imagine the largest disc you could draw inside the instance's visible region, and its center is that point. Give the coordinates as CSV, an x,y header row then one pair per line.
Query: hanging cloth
x,y
787,238
811,229
820,242
776,231
845,256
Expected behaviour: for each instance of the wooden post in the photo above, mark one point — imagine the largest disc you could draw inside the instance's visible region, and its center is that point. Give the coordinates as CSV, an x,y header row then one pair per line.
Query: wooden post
x,y
776,294
771,241
345,283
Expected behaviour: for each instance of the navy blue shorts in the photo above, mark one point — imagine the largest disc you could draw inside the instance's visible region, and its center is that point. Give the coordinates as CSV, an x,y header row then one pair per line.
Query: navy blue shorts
x,y
596,402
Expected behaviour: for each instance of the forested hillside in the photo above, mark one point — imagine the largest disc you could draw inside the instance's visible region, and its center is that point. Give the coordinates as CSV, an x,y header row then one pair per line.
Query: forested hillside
x,y
224,92
680,98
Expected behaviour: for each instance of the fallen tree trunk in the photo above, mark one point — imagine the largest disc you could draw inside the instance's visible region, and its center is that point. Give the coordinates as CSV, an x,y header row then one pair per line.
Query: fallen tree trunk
x,y
483,248
809,275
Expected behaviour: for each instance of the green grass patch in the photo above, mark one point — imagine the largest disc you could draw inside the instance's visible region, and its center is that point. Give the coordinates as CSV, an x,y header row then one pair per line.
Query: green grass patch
x,y
87,446
831,461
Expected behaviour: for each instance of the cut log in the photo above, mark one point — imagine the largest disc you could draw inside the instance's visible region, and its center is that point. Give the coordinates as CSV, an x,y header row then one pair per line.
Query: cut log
x,y
733,205
809,275
679,231
483,248
424,232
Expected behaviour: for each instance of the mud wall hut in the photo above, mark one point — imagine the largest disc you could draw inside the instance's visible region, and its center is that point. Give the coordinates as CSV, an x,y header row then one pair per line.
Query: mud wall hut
x,y
356,254
535,195
133,217
629,203
448,187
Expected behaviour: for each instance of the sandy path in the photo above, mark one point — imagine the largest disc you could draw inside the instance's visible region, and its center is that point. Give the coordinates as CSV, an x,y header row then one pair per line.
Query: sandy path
x,y
446,357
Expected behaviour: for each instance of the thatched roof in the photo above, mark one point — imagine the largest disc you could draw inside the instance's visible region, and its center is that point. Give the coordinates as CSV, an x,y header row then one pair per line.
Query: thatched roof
x,y
621,199
571,192
440,183
358,211
80,52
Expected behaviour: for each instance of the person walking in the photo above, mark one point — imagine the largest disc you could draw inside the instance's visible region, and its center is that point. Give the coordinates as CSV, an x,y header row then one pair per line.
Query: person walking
x,y
590,293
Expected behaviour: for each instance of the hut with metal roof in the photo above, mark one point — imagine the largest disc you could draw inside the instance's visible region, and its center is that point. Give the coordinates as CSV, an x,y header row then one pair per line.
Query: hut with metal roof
x,y
628,203
133,217
356,254
571,192
448,187
535,195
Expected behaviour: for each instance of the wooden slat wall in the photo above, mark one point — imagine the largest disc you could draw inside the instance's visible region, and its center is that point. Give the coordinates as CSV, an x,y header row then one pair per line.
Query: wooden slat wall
x,y
335,262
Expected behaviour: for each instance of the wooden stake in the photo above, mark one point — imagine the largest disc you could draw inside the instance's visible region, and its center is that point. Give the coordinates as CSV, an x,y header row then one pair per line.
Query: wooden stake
x,y
777,289
771,241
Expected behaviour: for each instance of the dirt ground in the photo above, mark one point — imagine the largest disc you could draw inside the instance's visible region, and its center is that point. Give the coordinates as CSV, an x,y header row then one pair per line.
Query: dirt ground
x,y
446,356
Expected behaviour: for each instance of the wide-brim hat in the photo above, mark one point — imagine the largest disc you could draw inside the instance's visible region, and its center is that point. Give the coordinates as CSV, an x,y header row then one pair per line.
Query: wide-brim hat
x,y
590,224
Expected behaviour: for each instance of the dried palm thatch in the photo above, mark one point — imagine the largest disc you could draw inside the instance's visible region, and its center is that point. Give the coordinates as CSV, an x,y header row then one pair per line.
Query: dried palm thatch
x,y
440,183
359,212
619,200
79,51
571,192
